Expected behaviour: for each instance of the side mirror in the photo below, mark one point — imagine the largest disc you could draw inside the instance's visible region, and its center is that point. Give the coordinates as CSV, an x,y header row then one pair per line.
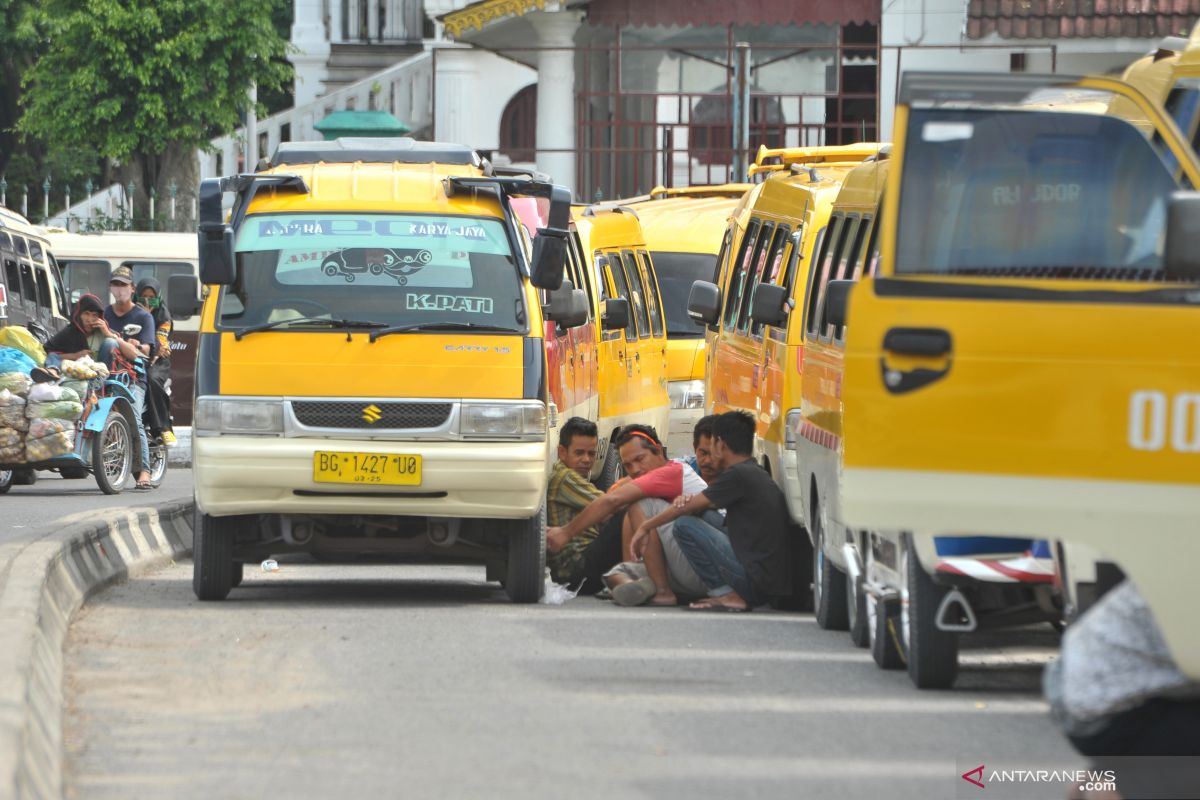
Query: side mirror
x,y
216,236
616,314
769,305
568,306
181,296
550,244
837,298
704,303
1181,252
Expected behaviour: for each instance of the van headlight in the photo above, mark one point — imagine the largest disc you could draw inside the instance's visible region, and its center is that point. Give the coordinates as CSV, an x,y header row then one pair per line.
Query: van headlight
x,y
686,394
791,424
216,416
527,420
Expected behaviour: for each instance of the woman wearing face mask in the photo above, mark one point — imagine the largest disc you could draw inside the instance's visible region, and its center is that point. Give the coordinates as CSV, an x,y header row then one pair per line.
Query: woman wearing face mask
x,y
121,313
158,401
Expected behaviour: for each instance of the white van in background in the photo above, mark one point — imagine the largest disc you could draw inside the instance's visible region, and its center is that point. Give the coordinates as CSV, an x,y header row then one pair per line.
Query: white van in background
x,y
88,259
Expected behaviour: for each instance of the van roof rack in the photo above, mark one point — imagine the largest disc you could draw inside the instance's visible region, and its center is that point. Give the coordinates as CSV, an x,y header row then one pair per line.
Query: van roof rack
x,y
387,150
592,210
717,190
785,157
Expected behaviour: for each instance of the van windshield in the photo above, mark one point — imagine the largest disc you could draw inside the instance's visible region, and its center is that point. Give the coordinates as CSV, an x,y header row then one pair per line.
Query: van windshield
x,y
389,269
1031,194
676,274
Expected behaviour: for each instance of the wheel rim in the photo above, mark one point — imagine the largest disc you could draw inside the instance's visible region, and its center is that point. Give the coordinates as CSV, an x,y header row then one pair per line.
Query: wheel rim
x,y
818,557
869,571
158,460
116,452
5,477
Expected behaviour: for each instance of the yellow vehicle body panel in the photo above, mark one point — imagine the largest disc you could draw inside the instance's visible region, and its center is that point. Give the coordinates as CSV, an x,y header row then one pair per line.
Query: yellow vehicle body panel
x,y
685,359
1053,408
322,364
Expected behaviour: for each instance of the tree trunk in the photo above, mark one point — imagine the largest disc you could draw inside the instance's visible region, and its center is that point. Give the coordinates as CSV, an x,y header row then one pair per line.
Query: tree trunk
x,y
179,164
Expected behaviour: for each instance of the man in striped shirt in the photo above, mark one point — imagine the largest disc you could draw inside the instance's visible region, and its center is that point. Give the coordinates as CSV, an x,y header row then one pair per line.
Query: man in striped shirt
x,y
587,555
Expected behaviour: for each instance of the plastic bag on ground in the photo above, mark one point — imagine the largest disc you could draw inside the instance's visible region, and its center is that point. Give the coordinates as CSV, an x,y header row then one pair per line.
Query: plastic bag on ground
x,y
13,360
557,594
49,438
60,409
19,338
16,382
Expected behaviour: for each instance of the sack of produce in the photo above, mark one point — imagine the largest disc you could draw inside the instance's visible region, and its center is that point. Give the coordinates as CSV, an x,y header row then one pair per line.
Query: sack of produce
x,y
58,409
12,446
13,360
80,388
19,338
49,438
44,393
84,369
12,411
16,382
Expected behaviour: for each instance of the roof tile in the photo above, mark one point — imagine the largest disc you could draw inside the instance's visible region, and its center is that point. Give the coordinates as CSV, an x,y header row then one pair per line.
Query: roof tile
x,y
1069,19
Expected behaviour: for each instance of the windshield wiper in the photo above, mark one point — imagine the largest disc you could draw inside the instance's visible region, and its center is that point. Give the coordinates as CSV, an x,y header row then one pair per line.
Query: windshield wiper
x,y
440,326
344,324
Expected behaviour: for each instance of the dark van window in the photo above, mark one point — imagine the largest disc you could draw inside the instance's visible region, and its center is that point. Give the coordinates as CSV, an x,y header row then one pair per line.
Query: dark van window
x,y
28,284
12,277
638,289
771,272
1085,196
750,280
617,275
653,302
43,289
35,251
737,278
819,271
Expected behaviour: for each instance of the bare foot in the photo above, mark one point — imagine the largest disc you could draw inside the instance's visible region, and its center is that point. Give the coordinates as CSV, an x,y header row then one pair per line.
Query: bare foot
x,y
730,600
666,598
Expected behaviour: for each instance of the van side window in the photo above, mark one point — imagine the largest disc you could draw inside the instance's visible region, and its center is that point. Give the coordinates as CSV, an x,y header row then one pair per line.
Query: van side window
x,y
60,290
585,273
12,273
616,274
738,272
771,271
35,251
872,263
22,246
43,289
862,260
722,257
653,300
842,259
792,257
751,277
605,277
87,277
637,289
819,273
28,284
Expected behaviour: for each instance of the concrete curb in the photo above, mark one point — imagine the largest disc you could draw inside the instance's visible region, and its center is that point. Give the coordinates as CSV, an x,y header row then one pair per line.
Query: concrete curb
x,y
43,582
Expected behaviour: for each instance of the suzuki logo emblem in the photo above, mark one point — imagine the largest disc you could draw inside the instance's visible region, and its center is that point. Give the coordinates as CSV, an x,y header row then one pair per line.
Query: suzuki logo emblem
x,y
372,414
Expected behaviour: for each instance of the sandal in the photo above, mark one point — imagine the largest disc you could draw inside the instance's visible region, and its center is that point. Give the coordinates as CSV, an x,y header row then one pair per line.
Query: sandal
x,y
143,486
44,374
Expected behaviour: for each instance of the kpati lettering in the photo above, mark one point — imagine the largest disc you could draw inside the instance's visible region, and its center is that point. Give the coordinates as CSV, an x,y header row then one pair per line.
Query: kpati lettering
x,y
448,302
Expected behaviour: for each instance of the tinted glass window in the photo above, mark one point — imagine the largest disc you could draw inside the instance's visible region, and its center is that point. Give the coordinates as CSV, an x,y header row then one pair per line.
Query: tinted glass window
x,y
676,274
43,289
819,271
772,270
28,285
585,273
750,279
396,269
743,264
87,277
21,245
638,287
652,299
1084,195
35,251
616,274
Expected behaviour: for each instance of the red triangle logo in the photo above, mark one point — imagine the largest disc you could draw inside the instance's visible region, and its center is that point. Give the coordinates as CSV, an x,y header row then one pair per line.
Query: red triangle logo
x,y
978,779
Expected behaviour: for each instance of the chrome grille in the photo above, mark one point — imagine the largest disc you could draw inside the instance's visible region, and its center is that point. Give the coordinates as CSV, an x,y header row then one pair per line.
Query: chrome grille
x,y
359,415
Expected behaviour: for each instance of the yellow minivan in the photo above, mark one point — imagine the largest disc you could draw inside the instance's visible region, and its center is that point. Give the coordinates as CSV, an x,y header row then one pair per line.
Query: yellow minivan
x,y
755,350
684,229
992,383
630,326
371,375
848,250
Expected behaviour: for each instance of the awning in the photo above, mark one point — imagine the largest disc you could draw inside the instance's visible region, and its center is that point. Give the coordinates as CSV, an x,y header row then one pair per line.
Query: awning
x,y
685,13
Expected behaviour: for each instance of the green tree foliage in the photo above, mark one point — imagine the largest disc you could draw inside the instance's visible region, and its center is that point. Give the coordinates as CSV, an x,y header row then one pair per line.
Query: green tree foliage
x,y
146,82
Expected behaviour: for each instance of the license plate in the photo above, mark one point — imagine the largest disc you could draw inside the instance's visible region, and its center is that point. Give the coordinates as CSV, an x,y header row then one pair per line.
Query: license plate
x,y
380,469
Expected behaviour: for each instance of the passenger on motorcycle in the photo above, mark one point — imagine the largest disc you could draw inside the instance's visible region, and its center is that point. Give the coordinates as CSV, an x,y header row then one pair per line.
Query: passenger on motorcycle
x,y
158,402
83,337
117,316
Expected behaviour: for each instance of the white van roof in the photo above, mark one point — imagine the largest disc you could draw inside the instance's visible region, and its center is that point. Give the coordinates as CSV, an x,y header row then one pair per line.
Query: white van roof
x,y
124,245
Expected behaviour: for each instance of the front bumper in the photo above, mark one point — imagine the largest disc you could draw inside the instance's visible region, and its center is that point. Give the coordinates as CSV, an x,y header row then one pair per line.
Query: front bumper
x,y
261,475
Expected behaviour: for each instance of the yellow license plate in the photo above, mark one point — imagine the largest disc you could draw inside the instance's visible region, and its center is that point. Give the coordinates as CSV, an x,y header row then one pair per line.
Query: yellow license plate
x,y
379,469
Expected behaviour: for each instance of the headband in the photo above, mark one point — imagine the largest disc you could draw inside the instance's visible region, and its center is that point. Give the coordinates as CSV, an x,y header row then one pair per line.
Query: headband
x,y
647,437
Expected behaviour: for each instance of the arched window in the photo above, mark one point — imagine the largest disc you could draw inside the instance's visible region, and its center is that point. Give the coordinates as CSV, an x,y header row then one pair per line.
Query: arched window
x,y
518,125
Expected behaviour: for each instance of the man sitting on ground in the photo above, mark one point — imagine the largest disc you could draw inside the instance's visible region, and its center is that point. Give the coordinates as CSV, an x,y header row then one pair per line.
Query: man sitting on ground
x,y
584,558
651,475
745,564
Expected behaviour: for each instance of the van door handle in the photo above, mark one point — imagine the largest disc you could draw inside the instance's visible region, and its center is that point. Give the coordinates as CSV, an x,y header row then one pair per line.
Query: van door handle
x,y
931,343
918,341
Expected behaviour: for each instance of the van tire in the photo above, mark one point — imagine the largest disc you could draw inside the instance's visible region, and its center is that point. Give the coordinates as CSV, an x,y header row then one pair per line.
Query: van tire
x,y
525,574
212,557
6,480
611,469
931,654
856,609
829,582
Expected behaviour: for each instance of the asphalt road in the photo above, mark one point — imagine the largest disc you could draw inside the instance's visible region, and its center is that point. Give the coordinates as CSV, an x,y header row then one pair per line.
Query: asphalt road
x,y
26,509
419,681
